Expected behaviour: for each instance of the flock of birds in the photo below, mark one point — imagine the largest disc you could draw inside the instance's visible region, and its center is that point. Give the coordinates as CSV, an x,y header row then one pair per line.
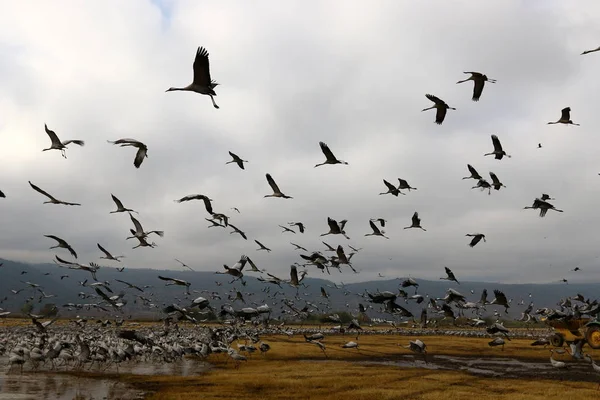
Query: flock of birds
x,y
42,345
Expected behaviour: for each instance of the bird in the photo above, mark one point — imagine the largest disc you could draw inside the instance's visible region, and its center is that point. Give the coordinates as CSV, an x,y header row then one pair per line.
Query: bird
x,y
139,231
543,206
52,200
441,107
539,145
483,184
380,220
184,265
476,238
262,246
202,82
496,184
404,185
236,209
142,151
237,230
376,231
300,225
479,81
57,144
416,222
450,275
590,51
62,244
474,173
108,255
174,281
286,229
276,191
237,160
120,207
556,363
565,117
205,199
129,285
335,228
2,194
576,269
498,341
391,189
298,247
498,152
546,197
500,299
330,158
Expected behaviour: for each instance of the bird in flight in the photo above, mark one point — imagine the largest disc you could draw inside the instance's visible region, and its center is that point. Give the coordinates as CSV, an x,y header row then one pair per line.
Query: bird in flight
x,y
565,117
237,160
330,158
441,107
52,200
57,144
142,151
479,80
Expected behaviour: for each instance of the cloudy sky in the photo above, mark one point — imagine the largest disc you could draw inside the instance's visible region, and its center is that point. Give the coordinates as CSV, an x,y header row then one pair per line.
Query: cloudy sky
x,y
352,74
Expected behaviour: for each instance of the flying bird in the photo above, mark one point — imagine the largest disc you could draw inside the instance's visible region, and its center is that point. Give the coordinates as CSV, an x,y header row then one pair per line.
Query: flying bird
x,y
483,184
202,82
262,246
237,230
474,173
205,199
476,238
450,275
142,151
496,184
380,220
498,151
52,200
391,189
336,228
139,231
174,281
237,160
108,256
590,51
300,225
298,247
184,265
416,222
376,231
120,207
276,191
543,206
565,117
286,229
57,144
404,185
62,244
479,80
441,107
330,158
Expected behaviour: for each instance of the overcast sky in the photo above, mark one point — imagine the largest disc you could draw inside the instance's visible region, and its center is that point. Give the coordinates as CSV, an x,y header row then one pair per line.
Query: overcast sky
x,y
293,73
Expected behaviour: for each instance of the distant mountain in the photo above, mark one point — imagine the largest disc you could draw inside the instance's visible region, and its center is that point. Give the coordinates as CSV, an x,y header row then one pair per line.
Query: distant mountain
x,y
14,275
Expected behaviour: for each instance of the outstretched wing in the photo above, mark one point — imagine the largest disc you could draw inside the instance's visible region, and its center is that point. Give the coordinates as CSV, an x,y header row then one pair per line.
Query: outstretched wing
x,y
117,201
328,154
435,99
478,88
375,228
565,114
440,115
389,185
102,249
496,142
494,178
37,189
52,135
272,183
139,156
473,171
202,68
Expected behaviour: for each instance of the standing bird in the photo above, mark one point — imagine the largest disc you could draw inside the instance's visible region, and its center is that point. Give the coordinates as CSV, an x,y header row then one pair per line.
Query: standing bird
x,y
237,160
202,82
565,117
52,200
57,144
476,238
262,246
474,173
108,255
376,231
498,152
441,107
391,189
335,228
496,184
416,222
62,244
276,191
479,80
142,151
329,155
120,207
450,276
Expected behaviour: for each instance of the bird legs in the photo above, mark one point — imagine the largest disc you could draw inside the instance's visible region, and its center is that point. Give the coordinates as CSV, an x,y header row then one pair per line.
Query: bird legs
x,y
213,102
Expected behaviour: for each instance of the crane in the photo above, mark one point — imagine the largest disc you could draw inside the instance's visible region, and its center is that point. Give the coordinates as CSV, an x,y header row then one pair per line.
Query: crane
x,y
498,151
276,191
142,151
330,158
57,144
565,117
52,200
479,81
416,222
441,107
236,159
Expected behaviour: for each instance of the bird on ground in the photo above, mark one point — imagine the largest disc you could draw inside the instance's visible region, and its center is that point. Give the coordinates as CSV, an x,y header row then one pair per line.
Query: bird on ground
x,y
404,185
108,256
556,363
474,173
142,151
237,230
391,189
496,184
376,231
479,80
483,184
336,228
300,225
565,117
120,207
498,341
498,152
237,160
52,200
440,106
330,158
202,82
57,144
62,244
450,276
543,206
205,199
184,265
298,247
276,191
476,238
416,222
262,246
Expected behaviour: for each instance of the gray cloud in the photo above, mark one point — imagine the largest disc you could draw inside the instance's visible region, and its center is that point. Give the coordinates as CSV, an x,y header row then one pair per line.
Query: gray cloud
x,y
353,76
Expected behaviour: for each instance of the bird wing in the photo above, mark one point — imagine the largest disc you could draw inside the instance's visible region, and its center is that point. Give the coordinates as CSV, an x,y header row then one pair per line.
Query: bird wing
x,y
102,249
340,252
139,156
52,134
262,246
374,227
136,223
323,292
473,171
117,201
478,88
565,114
328,246
37,189
273,184
164,278
59,240
494,178
60,260
440,115
294,275
333,225
328,154
435,99
78,142
496,142
389,185
415,219
189,197
201,68
500,297
403,183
